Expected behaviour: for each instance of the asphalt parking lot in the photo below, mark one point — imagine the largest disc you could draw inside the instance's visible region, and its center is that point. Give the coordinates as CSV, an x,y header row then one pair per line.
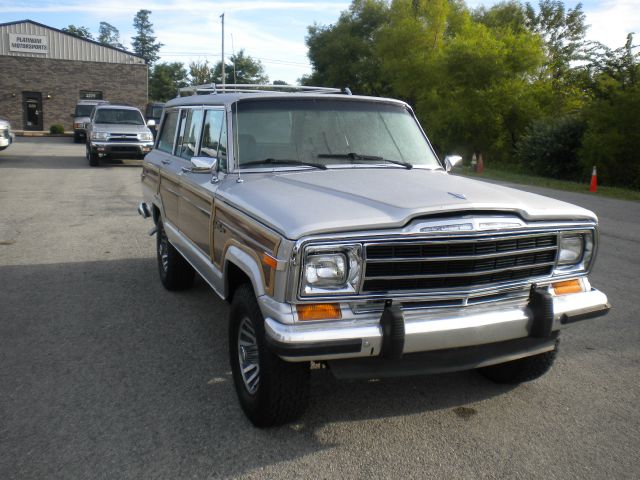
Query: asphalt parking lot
x,y
104,374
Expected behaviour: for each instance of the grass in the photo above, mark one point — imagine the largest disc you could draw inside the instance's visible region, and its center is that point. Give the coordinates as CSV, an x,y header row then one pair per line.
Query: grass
x,y
506,176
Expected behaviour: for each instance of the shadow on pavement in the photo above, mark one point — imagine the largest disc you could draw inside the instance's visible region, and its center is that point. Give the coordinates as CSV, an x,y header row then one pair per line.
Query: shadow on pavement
x,y
104,373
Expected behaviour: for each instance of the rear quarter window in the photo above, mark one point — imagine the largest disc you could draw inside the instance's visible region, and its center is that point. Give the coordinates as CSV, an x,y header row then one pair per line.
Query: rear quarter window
x,y
168,131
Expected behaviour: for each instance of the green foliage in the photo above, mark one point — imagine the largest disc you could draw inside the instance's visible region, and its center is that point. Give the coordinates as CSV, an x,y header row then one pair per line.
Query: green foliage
x,y
241,69
343,54
493,79
165,79
563,31
109,35
144,43
82,32
549,148
612,139
56,129
201,73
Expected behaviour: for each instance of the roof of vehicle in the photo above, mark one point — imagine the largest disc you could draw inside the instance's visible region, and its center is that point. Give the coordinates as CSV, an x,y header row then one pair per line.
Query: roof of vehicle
x,y
212,94
229,98
91,102
118,106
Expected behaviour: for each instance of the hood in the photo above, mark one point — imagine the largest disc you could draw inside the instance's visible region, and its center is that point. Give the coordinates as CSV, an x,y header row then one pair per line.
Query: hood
x,y
120,128
314,202
4,123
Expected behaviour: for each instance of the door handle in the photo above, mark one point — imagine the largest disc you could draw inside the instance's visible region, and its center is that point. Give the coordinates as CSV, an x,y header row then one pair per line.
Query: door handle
x,y
166,162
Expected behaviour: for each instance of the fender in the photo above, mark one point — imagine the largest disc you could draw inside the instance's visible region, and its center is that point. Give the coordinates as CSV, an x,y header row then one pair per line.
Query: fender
x,y
249,264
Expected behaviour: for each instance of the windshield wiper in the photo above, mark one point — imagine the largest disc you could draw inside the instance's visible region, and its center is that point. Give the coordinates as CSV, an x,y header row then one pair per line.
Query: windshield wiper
x,y
357,156
283,161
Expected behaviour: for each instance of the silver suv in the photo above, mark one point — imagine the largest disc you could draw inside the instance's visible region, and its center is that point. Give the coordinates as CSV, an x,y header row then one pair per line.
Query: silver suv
x,y
117,130
339,237
82,116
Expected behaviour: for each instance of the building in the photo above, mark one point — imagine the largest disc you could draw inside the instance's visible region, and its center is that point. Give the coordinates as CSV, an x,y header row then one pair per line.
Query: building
x,y
45,71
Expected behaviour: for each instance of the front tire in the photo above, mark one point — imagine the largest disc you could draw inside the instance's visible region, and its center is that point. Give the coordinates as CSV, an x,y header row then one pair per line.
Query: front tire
x,y
271,391
94,160
523,369
175,271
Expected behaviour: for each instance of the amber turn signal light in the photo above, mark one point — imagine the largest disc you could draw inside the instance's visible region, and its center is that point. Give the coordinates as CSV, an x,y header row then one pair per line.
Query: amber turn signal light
x,y
319,311
269,261
564,288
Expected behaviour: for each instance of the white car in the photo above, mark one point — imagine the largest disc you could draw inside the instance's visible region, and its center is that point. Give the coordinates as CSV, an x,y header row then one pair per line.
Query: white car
x,y
6,137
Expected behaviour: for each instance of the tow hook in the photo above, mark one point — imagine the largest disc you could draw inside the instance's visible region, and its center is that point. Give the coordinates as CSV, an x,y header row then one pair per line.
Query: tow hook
x,y
392,323
153,231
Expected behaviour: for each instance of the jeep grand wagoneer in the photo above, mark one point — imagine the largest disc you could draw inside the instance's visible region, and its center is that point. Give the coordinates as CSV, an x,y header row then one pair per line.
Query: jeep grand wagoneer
x,y
338,236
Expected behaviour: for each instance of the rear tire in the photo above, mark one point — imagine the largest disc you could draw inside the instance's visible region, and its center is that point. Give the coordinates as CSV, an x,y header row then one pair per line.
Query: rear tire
x,y
521,370
271,391
175,271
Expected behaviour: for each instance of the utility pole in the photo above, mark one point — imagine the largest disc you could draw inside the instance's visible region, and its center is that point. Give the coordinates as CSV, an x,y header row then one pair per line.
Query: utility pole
x,y
223,73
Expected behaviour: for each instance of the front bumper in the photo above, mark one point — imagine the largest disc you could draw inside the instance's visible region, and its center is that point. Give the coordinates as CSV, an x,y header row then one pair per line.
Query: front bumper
x,y
123,148
432,329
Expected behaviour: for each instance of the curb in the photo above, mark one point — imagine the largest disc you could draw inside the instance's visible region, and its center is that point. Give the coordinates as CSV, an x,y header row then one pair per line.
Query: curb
x,y
40,133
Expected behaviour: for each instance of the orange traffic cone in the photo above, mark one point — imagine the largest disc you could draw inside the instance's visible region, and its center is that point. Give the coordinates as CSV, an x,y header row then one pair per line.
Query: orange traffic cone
x,y
594,180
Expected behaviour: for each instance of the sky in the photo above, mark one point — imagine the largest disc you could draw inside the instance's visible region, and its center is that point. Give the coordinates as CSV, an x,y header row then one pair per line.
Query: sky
x,y
271,31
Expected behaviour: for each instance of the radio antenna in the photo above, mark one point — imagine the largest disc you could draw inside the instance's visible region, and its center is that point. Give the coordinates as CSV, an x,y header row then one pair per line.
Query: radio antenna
x,y
236,134
222,63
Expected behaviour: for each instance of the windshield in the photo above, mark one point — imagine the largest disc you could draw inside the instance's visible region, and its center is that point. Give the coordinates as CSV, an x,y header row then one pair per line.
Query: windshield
x,y
120,116
84,110
328,132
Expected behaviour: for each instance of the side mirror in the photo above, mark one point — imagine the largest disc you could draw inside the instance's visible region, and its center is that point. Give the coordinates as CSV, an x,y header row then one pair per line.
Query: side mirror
x,y
204,165
151,123
451,161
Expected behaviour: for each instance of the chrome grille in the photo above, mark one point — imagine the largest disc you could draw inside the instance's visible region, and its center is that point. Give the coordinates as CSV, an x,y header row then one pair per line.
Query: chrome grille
x,y
123,137
458,263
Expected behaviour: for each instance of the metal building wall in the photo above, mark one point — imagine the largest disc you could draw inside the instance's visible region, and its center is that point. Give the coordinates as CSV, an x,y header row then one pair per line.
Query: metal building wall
x,y
63,46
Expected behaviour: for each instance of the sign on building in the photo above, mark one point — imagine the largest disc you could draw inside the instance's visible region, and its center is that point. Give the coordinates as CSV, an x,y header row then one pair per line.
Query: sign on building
x,y
20,42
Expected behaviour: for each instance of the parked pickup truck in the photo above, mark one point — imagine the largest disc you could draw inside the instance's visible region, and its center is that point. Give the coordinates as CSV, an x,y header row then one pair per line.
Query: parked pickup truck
x,y
339,237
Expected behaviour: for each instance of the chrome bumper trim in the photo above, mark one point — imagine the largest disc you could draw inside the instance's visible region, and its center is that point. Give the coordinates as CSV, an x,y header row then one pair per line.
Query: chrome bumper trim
x,y
427,330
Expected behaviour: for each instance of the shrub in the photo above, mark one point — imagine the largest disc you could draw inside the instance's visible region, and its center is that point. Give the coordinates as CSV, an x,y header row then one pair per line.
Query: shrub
x,y
56,129
612,139
549,147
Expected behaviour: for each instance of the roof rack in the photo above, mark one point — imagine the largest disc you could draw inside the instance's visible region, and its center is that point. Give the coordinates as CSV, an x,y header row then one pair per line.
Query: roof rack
x,y
213,89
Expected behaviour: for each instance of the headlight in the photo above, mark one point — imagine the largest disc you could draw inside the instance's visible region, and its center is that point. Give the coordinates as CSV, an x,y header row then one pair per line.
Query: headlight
x,y
331,269
99,135
145,137
575,252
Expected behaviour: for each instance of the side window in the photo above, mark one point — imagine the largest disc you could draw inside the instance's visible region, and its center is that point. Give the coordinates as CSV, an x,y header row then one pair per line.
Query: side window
x,y
190,128
168,132
214,137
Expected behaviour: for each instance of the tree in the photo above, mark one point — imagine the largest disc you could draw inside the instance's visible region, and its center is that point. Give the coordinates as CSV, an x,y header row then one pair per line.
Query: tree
x,y
165,80
563,31
241,69
109,35
343,54
612,137
279,82
144,43
82,32
201,73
